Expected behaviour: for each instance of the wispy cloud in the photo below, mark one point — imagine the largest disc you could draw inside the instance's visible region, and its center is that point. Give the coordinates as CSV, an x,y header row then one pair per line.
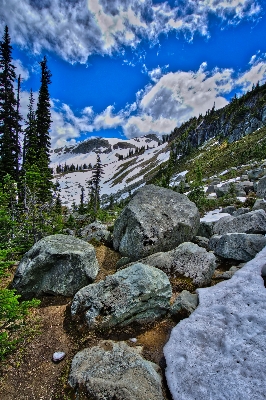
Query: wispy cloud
x,y
176,97
21,70
75,30
170,99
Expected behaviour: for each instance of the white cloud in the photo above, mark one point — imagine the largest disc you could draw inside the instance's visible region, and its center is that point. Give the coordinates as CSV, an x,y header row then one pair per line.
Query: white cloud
x,y
62,131
181,95
171,99
21,70
155,74
107,120
176,97
146,124
77,29
252,60
257,73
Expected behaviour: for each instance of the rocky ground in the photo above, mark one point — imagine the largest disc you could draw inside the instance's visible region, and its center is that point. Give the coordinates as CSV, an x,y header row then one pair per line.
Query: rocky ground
x,y
30,373
142,292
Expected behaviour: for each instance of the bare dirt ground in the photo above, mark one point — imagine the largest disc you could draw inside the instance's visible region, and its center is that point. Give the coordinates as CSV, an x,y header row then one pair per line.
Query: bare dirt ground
x,y
30,374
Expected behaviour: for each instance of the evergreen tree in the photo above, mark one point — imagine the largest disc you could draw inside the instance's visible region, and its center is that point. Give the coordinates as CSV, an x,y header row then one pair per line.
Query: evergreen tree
x,y
30,147
18,129
82,201
43,123
97,173
9,143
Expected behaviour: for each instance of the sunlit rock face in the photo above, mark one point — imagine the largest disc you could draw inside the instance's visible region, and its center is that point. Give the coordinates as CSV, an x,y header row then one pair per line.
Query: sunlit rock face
x,y
156,219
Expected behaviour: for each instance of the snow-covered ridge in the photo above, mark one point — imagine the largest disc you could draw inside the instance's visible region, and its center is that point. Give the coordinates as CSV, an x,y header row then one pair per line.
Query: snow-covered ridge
x,y
118,173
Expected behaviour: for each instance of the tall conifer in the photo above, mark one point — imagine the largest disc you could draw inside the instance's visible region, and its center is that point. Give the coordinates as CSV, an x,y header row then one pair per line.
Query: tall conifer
x,y
97,173
30,147
43,121
9,143
18,129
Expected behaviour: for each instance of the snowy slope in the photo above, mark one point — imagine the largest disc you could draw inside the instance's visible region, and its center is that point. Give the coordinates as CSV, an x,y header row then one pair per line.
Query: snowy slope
x,y
118,174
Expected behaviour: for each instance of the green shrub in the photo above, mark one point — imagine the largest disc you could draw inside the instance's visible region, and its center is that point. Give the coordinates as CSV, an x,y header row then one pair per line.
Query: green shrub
x,y
12,317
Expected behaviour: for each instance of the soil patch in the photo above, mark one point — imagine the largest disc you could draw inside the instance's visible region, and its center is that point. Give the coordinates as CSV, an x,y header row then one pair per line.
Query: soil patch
x,y
30,374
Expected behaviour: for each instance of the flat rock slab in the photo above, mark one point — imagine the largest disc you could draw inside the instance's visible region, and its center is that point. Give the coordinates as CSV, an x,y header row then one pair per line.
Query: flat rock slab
x,y
188,259
156,219
58,265
139,293
237,246
114,371
219,352
252,222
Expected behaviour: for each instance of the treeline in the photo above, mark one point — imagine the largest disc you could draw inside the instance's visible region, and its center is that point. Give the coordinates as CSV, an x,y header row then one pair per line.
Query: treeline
x,y
72,168
92,205
221,123
135,152
29,204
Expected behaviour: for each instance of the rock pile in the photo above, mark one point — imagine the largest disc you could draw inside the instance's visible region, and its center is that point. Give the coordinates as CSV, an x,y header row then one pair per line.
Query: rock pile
x,y
218,352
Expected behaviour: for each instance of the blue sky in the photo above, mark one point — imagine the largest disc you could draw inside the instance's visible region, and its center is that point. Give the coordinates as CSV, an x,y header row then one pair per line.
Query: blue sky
x,y
125,68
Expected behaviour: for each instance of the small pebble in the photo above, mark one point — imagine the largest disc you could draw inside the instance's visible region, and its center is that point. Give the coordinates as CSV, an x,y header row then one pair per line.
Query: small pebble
x,y
133,340
58,356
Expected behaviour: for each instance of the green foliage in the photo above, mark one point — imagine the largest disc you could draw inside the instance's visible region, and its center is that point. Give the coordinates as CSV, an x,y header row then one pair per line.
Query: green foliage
x,y
9,116
30,147
197,194
4,263
217,157
12,317
181,187
13,312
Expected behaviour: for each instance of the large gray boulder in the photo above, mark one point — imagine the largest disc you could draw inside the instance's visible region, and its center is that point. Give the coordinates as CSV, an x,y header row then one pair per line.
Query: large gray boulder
x,y
58,265
240,211
113,370
188,259
252,222
261,188
219,352
156,219
139,293
237,246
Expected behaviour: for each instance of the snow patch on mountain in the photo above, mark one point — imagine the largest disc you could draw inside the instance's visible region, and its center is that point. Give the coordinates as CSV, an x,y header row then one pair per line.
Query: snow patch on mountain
x,y
118,174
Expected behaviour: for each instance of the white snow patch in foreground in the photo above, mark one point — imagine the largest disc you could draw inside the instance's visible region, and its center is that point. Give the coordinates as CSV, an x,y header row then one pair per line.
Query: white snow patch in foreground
x,y
242,199
219,352
213,215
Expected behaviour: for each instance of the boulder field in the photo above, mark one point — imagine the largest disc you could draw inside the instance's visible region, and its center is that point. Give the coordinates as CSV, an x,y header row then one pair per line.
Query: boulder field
x,y
218,352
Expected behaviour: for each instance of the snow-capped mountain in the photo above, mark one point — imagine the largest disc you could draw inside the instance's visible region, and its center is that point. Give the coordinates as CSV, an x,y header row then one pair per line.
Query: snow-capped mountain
x,y
122,173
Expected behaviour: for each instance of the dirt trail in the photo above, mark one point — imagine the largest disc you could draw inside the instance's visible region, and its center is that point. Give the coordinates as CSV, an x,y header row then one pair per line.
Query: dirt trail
x,y
36,376
30,374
